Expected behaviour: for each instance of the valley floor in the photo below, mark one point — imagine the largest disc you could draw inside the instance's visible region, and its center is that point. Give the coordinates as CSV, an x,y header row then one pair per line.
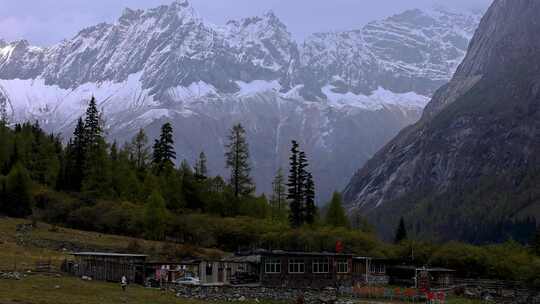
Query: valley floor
x,y
22,247
38,289
69,290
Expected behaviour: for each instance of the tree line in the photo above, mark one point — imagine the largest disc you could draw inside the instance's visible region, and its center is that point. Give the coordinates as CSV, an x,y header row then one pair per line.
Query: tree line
x,y
93,170
137,189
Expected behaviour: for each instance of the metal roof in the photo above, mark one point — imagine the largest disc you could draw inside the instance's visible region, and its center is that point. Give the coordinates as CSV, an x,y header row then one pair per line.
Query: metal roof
x,y
109,254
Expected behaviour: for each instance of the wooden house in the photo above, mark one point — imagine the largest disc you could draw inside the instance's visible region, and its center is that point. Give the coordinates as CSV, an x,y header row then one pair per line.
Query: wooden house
x,y
305,269
108,266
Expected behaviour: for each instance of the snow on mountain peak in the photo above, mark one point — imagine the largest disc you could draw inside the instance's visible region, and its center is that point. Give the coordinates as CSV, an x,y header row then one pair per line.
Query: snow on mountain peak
x,y
171,46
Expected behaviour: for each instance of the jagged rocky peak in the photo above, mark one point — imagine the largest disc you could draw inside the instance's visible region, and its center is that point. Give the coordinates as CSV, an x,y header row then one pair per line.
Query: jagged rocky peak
x,y
412,51
129,16
504,38
506,34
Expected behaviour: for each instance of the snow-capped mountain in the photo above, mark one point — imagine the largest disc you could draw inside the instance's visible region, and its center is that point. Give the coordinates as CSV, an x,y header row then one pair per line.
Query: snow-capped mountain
x,y
343,95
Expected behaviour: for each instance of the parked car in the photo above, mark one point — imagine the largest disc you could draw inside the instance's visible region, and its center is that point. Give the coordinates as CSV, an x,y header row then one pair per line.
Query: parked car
x,y
188,281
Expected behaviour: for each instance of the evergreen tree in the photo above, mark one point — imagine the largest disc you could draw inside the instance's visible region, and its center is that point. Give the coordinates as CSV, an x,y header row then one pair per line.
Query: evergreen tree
x,y
139,152
97,173
279,195
18,196
164,154
335,215
97,180
4,119
237,160
155,217
93,131
302,178
401,232
309,198
293,193
201,170
76,155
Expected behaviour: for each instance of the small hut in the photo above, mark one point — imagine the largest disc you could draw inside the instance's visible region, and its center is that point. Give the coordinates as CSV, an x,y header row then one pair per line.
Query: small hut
x,y
110,267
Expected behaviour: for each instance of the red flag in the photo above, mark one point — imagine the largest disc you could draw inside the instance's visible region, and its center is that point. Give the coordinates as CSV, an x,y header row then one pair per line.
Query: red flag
x,y
339,247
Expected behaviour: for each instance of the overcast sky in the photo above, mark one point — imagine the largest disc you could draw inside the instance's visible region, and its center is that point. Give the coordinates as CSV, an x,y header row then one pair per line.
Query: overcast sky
x,y
46,22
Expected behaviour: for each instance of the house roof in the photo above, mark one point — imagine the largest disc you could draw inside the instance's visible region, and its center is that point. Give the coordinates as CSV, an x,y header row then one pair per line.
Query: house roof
x,y
301,253
370,258
109,254
254,259
428,269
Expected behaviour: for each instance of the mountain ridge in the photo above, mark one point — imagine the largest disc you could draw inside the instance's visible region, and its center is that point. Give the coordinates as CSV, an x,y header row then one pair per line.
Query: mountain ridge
x,y
167,64
466,170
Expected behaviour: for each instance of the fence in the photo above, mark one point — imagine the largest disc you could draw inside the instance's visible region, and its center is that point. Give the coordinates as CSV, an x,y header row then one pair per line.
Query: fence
x,y
399,294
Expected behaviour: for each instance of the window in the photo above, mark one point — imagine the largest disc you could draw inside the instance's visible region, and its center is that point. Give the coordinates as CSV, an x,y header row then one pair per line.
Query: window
x,y
321,265
272,266
297,266
209,269
342,266
377,268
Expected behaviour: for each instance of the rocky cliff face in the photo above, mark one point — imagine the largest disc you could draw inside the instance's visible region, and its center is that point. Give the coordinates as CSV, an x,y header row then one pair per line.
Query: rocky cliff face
x,y
343,95
469,166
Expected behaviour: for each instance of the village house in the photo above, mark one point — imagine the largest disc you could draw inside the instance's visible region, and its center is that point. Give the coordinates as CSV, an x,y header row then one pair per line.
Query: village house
x,y
110,267
261,267
305,269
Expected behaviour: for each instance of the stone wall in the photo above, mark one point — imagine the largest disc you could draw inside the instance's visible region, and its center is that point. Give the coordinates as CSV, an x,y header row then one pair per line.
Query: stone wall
x,y
242,293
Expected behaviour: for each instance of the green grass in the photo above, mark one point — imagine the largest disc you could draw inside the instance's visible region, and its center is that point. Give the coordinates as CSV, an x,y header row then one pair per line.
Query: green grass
x,y
39,289
45,243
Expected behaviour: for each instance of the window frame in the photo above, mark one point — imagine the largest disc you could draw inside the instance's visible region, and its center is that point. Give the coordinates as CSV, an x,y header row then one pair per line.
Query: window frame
x,y
299,263
342,262
274,264
321,265
377,268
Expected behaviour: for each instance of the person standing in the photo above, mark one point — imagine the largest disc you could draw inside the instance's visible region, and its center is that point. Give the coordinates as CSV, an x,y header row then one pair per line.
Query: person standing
x,y
123,283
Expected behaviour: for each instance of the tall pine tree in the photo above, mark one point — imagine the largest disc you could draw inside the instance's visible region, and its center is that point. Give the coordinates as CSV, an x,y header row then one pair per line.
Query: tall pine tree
x,y
293,193
139,152
4,119
310,210
401,232
164,154
93,131
237,160
75,158
279,195
97,177
201,170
